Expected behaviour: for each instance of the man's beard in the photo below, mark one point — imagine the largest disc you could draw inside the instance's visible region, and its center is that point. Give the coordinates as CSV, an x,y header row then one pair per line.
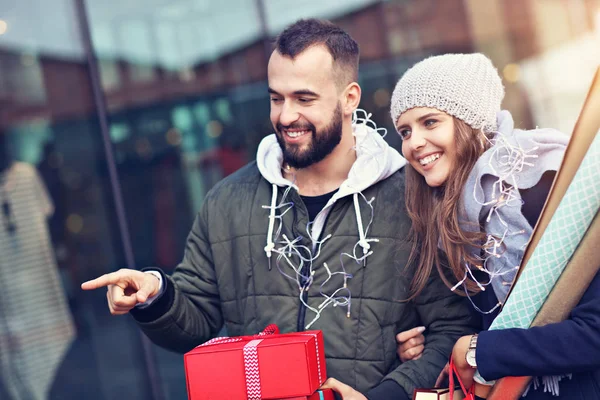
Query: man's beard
x,y
321,145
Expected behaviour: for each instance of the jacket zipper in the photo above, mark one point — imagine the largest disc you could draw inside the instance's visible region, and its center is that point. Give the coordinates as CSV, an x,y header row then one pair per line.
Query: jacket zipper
x,y
305,271
302,310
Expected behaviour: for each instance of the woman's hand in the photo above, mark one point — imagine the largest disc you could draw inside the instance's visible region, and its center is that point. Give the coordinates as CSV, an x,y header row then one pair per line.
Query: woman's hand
x,y
459,356
442,376
411,344
347,392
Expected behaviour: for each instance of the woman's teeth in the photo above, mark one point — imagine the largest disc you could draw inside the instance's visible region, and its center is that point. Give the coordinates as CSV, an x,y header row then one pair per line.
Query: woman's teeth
x,y
429,159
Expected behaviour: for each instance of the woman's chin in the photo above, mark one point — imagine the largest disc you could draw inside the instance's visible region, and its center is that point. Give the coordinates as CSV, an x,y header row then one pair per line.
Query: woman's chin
x,y
434,181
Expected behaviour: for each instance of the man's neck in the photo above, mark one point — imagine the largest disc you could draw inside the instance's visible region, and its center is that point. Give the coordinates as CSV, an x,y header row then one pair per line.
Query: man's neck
x,y
328,174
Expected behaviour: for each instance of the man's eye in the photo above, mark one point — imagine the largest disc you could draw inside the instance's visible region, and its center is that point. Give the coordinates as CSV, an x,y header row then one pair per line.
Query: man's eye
x,y
275,99
303,100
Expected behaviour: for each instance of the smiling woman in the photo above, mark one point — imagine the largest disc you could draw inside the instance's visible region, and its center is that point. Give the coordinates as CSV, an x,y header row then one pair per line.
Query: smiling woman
x,y
428,143
475,189
447,112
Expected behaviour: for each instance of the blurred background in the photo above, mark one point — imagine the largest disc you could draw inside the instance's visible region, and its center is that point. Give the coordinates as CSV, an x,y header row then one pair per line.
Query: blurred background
x,y
120,115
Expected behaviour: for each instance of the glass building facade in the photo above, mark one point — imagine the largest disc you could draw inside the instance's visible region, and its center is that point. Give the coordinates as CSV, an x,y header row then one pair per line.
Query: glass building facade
x,y
120,115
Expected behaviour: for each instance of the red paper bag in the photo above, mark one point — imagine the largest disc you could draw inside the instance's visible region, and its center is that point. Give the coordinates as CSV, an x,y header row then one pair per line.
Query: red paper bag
x,y
436,394
264,366
446,393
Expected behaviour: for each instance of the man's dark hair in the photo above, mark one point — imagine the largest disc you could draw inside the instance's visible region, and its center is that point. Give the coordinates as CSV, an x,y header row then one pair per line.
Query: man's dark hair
x,y
306,33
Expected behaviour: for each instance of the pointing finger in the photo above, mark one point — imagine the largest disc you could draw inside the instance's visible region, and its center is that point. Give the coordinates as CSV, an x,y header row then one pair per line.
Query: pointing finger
x,y
108,279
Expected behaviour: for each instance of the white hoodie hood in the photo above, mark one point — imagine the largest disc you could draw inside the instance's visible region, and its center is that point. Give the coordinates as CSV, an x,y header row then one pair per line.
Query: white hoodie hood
x,y
375,161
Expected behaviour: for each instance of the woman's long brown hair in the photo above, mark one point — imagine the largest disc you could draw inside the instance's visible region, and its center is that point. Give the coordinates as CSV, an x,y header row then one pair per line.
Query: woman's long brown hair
x,y
434,212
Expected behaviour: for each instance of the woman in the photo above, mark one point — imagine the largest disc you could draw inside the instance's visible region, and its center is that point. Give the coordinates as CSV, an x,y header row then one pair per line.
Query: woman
x,y
475,188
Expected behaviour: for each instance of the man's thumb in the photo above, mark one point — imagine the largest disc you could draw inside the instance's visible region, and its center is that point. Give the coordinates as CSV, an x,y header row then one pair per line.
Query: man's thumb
x,y
147,288
142,295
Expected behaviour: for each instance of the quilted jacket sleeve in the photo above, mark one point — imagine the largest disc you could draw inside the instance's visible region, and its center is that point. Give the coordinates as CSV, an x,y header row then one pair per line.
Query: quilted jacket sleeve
x,y
188,312
447,316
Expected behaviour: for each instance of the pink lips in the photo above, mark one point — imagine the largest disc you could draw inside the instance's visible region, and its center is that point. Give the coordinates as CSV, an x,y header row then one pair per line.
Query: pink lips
x,y
432,163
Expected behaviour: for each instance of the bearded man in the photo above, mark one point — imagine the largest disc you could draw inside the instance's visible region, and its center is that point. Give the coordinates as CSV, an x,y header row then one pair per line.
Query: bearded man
x,y
311,235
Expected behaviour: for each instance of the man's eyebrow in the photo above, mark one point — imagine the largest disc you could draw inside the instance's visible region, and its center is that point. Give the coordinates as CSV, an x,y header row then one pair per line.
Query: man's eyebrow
x,y
301,92
306,92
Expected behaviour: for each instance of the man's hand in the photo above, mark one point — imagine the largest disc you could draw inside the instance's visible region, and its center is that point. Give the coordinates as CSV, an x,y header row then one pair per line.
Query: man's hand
x,y
126,288
411,344
459,356
342,389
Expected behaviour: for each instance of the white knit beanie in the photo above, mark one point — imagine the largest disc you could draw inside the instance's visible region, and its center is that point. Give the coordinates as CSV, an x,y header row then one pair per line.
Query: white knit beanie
x,y
466,86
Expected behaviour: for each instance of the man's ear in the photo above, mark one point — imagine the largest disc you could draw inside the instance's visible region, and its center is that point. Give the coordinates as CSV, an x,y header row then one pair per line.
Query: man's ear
x,y
351,98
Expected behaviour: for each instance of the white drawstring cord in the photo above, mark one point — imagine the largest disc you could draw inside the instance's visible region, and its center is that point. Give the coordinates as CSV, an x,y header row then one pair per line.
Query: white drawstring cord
x,y
361,233
270,244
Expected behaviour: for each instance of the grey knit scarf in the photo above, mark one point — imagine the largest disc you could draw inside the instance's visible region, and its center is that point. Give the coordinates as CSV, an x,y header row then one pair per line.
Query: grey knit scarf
x,y
491,200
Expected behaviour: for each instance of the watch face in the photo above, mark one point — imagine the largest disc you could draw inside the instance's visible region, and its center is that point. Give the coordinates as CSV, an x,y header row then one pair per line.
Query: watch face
x,y
471,358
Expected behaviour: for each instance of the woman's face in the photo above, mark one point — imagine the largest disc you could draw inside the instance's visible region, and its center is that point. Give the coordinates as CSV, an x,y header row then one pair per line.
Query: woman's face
x,y
428,143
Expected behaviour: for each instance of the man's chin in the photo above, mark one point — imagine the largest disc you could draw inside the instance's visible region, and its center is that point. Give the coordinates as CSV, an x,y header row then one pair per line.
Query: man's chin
x,y
296,163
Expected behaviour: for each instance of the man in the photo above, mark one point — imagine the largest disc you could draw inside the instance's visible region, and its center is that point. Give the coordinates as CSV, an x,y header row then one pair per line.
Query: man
x,y
329,194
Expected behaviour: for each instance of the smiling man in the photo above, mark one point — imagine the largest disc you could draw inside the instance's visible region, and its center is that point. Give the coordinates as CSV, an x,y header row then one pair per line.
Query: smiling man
x,y
309,236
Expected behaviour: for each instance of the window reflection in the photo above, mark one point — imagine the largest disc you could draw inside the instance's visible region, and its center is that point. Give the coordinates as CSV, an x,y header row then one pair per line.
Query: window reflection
x,y
184,84
58,225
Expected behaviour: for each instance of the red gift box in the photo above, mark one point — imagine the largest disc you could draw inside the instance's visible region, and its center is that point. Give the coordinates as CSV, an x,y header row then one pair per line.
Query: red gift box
x,y
265,366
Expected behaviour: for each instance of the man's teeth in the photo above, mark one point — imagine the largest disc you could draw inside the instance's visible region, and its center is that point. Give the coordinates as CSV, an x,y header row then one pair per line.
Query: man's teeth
x,y
295,134
429,159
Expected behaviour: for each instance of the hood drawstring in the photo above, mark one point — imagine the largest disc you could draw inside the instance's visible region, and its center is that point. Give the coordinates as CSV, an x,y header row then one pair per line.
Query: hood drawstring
x,y
375,161
363,241
270,244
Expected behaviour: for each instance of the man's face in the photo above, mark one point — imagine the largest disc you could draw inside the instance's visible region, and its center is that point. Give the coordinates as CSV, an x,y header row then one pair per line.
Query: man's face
x,y
306,109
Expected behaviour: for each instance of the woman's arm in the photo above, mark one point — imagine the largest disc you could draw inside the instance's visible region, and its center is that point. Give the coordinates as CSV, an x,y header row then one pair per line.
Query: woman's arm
x,y
561,348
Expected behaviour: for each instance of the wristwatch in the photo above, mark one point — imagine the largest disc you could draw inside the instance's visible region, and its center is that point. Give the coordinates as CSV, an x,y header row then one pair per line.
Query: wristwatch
x,y
470,356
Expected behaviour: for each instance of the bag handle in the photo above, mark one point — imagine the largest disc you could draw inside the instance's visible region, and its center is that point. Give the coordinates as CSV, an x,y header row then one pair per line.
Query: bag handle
x,y
469,394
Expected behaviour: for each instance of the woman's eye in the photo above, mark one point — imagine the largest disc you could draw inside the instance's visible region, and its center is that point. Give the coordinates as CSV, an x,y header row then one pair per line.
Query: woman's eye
x,y
404,133
430,122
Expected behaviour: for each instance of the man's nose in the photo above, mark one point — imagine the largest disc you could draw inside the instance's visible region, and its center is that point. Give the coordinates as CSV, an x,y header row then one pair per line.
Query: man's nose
x,y
288,115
